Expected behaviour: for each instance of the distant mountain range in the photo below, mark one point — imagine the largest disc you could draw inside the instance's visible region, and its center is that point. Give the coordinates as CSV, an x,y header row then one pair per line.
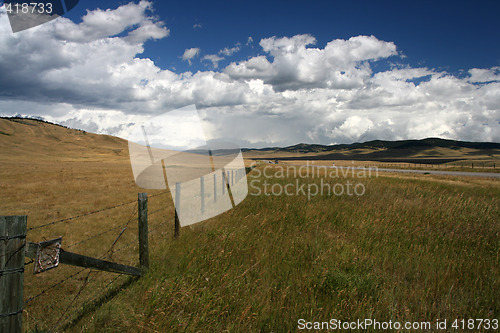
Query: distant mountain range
x,y
431,150
380,144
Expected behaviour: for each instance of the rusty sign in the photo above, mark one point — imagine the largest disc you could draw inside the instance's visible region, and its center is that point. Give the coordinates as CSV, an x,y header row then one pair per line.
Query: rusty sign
x,y
47,255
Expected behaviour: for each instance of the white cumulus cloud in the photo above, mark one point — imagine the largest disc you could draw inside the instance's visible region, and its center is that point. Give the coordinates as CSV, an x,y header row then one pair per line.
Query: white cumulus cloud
x,y
189,54
214,59
341,64
89,75
484,74
229,51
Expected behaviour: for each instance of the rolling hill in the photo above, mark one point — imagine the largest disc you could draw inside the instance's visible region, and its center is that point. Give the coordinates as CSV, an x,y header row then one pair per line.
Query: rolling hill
x,y
22,137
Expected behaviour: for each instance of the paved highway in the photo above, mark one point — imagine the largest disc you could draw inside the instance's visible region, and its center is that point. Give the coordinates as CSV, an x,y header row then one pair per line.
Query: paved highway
x,y
432,172
441,172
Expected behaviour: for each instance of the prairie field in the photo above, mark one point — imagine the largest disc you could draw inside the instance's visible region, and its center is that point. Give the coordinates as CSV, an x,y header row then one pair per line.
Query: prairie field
x,y
396,247
412,248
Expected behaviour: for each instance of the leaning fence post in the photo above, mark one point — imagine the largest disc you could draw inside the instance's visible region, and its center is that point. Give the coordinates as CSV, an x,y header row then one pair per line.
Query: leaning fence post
x,y
143,231
202,193
12,249
177,205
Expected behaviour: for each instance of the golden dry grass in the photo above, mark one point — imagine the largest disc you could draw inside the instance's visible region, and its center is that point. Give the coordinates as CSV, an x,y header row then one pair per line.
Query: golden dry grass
x,y
414,247
410,249
51,173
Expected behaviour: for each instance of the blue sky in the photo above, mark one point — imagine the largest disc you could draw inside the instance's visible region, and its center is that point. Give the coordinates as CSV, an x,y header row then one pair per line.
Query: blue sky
x,y
264,73
449,35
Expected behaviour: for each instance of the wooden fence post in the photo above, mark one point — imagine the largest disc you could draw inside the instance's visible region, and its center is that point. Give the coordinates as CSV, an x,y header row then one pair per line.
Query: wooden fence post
x,y
202,193
143,231
215,187
177,225
12,248
223,182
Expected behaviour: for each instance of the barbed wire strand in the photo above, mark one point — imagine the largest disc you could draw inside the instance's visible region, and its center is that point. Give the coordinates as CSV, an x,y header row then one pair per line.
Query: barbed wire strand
x,y
80,216
7,239
156,227
12,254
126,246
85,283
86,303
157,194
95,236
156,211
109,253
29,262
106,231
87,279
29,300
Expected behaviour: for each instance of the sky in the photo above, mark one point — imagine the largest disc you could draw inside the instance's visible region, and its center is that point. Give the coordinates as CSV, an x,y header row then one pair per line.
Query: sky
x,y
263,73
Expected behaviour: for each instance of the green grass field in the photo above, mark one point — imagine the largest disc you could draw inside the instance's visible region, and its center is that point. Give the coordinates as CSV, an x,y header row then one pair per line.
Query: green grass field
x,y
412,248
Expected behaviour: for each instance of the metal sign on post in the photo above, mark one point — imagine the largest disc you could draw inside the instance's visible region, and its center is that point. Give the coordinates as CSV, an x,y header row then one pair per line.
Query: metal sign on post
x,y
47,255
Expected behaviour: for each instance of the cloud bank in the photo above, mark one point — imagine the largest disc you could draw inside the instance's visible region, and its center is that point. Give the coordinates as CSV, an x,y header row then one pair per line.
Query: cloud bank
x,y
90,75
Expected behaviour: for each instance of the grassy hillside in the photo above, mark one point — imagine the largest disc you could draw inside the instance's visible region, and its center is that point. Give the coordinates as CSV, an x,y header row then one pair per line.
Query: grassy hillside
x,y
430,151
30,138
51,173
411,248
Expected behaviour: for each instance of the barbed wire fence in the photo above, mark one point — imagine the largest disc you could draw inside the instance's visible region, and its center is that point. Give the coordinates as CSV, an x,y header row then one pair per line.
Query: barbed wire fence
x,y
81,289
106,244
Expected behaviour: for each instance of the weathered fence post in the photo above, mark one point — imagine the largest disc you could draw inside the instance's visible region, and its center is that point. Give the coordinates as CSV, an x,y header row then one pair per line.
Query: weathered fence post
x,y
177,225
215,187
143,231
12,248
202,193
223,182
